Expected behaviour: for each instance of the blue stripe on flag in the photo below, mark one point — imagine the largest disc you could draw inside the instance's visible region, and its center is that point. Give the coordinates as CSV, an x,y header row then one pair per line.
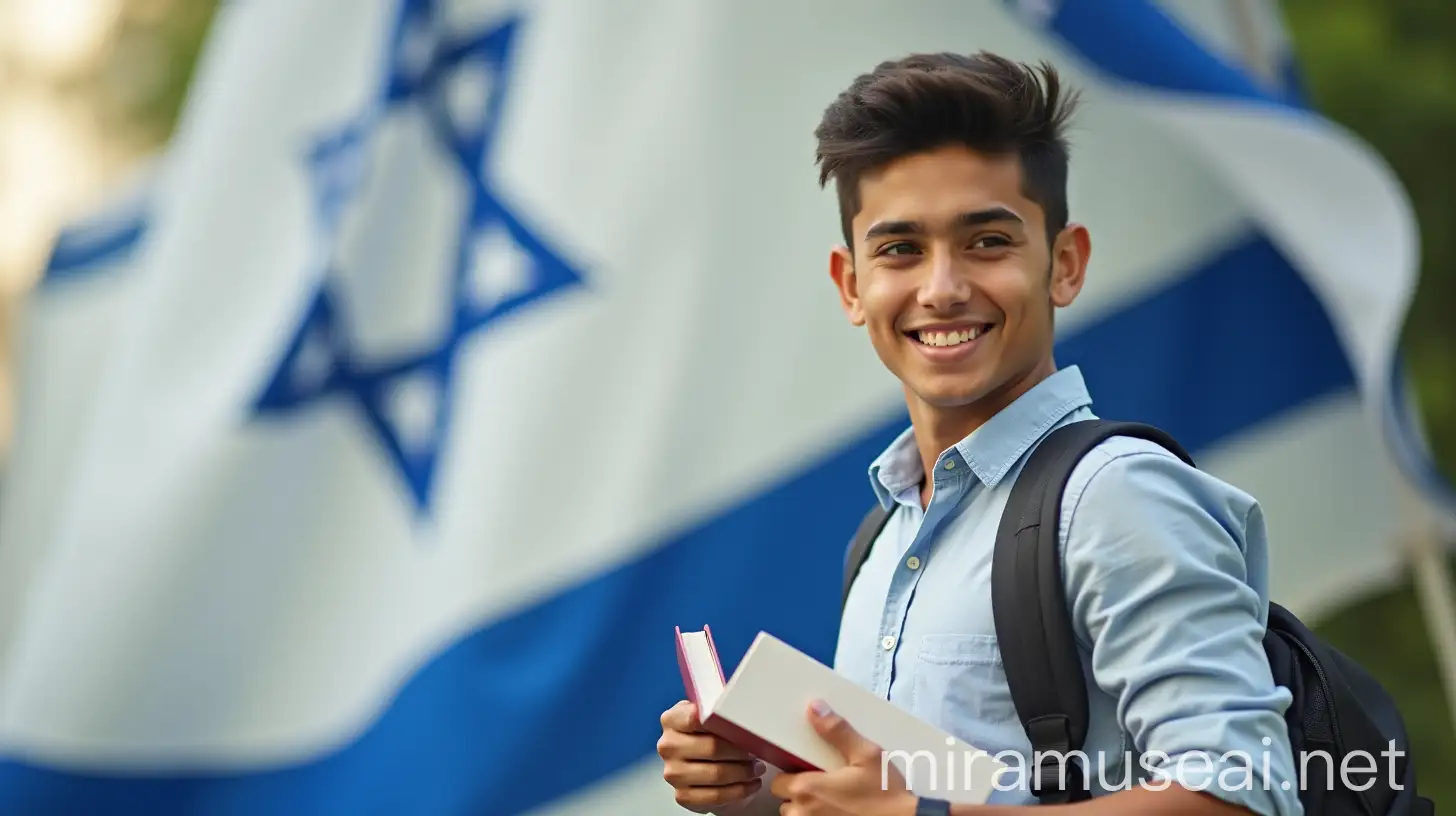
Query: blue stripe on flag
x,y
1138,42
86,249
565,693
1203,358
1407,441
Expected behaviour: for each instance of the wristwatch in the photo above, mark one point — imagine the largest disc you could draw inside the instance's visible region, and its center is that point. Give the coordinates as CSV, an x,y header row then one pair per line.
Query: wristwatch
x,y
931,807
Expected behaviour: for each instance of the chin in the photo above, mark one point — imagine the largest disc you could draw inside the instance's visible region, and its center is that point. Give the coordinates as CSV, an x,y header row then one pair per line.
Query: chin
x,y
950,395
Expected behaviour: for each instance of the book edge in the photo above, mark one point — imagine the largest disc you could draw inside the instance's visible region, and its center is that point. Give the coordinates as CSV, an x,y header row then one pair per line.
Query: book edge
x,y
689,687
713,650
742,733
757,746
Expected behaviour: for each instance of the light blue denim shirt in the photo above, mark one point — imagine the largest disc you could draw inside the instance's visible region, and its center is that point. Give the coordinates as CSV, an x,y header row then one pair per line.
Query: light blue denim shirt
x,y
1166,579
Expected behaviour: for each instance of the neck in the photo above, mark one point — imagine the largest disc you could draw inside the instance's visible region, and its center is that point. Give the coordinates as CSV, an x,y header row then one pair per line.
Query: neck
x,y
938,428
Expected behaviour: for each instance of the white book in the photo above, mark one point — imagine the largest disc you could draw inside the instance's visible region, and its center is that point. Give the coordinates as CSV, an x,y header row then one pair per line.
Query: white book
x,y
764,708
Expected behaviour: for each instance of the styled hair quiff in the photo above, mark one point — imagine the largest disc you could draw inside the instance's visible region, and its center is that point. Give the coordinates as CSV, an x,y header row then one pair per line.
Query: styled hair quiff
x,y
985,102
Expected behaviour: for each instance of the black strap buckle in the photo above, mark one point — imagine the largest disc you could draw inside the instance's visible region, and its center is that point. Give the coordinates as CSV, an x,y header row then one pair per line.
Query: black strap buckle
x,y
1057,776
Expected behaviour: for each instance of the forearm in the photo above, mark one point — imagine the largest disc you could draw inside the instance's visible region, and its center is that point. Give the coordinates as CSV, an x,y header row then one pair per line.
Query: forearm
x,y
1140,801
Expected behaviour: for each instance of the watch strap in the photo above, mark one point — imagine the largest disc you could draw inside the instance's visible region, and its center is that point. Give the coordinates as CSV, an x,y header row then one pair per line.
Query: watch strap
x,y
931,807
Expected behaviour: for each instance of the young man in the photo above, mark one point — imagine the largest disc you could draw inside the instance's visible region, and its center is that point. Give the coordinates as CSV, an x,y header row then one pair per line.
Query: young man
x,y
951,173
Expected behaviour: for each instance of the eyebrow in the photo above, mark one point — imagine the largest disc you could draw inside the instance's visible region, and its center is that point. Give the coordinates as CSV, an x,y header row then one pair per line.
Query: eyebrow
x,y
968,219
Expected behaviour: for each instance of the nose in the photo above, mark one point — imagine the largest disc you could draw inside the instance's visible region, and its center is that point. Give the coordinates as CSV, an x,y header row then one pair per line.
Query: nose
x,y
947,283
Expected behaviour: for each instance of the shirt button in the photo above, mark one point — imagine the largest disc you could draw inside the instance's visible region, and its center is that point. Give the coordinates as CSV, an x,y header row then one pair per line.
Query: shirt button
x,y
950,464
912,562
888,642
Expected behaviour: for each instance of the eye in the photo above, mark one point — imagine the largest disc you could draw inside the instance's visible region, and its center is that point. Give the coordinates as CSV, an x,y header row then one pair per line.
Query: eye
x,y
991,242
897,248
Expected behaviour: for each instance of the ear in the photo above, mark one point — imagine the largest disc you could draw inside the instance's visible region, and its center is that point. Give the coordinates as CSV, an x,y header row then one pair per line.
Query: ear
x,y
841,270
1070,254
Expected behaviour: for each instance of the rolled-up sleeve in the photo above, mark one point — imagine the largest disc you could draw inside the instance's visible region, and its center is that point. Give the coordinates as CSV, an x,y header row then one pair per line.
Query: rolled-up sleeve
x,y
1165,571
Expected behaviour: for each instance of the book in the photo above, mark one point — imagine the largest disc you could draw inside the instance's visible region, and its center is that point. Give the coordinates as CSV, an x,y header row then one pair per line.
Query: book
x,y
763,709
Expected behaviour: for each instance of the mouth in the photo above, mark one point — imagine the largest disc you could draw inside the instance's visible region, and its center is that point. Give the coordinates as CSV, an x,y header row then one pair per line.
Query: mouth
x,y
949,336
949,342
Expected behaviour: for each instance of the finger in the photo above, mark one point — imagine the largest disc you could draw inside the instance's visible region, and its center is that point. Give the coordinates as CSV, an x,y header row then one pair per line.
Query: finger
x,y
683,716
782,784
684,773
816,809
795,786
847,789
680,745
706,797
839,733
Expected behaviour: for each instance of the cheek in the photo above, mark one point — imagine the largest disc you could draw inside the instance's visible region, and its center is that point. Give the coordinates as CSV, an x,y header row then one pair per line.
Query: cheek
x,y
1014,296
882,303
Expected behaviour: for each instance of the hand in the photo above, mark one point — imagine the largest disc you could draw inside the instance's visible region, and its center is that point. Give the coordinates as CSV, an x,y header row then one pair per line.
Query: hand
x,y
865,787
705,771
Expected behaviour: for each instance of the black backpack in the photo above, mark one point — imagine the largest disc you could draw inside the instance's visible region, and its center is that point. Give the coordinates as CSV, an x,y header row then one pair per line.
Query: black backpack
x,y
1338,707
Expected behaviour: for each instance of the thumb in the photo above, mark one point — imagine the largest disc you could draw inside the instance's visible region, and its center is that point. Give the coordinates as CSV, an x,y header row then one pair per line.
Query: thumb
x,y
837,731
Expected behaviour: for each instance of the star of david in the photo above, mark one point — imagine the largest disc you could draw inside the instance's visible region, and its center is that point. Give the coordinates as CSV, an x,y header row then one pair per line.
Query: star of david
x,y
405,400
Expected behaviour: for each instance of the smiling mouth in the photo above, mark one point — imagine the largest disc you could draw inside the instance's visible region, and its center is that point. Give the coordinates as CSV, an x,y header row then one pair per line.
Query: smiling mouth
x,y
938,338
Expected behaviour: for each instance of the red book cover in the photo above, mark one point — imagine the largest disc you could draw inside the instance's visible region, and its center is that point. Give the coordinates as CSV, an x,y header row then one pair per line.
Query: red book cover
x,y
756,746
763,709
726,729
682,664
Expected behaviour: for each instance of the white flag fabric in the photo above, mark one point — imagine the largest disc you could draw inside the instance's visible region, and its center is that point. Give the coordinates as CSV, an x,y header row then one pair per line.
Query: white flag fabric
x,y
469,347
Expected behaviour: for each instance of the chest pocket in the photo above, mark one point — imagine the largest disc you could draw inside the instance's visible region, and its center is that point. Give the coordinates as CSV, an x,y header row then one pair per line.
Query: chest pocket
x,y
959,685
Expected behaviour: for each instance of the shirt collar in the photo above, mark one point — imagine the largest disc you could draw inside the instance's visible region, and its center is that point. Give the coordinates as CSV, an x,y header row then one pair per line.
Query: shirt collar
x,y
992,449
897,469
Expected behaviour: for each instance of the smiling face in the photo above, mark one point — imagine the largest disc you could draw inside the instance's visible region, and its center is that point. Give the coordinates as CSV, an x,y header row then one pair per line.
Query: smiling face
x,y
955,280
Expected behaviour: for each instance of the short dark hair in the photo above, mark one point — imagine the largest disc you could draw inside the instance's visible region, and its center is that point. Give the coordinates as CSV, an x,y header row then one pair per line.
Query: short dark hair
x,y
985,102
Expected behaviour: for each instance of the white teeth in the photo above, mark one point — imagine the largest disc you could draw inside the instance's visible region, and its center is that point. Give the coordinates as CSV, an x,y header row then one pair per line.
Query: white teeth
x,y
948,338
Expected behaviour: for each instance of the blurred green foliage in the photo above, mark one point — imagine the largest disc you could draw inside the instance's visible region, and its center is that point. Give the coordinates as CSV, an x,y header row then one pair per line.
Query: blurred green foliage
x,y
1385,635
142,84
1385,69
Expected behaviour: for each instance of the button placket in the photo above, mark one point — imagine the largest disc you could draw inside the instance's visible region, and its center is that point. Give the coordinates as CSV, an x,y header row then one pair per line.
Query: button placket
x,y
951,480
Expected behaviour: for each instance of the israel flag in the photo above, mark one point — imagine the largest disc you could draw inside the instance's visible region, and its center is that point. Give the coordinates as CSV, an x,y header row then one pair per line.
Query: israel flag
x,y
456,351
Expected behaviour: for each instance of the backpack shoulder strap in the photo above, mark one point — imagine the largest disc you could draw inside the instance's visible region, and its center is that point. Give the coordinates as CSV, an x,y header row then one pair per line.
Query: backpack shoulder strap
x,y
859,547
1033,626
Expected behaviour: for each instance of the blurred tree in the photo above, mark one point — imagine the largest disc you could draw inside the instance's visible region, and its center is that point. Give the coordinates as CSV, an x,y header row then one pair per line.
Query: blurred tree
x,y
1386,69
142,83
